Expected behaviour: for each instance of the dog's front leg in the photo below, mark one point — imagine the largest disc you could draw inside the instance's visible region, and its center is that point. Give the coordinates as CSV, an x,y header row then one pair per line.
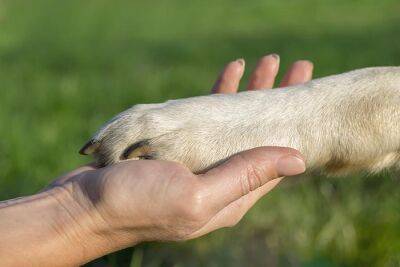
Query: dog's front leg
x,y
340,123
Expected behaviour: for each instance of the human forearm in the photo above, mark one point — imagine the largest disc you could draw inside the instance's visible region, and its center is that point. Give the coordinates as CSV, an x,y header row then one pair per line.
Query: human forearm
x,y
51,229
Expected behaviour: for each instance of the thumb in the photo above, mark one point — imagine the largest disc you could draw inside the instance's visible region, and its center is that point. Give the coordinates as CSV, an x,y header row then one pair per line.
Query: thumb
x,y
248,170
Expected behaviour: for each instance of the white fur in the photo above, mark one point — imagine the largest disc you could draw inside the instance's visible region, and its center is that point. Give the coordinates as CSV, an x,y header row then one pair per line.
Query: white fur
x,y
340,123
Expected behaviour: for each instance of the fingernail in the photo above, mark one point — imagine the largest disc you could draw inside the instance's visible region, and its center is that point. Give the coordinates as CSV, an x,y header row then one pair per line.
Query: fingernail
x,y
290,165
302,61
276,56
240,61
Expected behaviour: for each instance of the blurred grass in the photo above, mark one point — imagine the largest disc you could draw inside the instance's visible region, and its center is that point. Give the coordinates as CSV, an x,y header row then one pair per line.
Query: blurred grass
x,y
68,66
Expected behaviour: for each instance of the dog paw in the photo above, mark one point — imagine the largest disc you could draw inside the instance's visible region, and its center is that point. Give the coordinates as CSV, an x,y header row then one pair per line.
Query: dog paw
x,y
167,131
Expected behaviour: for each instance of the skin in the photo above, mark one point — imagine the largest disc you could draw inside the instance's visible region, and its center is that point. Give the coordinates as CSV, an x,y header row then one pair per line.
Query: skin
x,y
91,211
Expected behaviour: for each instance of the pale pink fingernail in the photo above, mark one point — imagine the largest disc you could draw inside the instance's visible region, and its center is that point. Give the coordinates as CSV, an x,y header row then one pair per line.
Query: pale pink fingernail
x,y
276,56
240,61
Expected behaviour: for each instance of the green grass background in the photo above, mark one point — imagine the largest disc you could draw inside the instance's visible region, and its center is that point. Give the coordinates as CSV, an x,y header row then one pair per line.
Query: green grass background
x,y
68,66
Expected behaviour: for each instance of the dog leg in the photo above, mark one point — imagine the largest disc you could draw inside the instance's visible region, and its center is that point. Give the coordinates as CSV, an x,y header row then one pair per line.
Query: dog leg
x,y
340,123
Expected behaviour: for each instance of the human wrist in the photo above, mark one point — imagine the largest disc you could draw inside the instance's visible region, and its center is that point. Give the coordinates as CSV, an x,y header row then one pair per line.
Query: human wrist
x,y
76,223
82,223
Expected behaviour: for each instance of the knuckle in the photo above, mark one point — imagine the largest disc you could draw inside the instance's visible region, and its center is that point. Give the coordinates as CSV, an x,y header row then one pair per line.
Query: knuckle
x,y
255,177
253,174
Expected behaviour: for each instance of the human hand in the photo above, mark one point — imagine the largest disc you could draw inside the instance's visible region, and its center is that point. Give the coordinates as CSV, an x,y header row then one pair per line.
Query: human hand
x,y
159,200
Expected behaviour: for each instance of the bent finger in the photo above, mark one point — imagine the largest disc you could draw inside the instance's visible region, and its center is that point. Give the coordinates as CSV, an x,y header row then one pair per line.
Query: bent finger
x,y
229,79
300,72
263,76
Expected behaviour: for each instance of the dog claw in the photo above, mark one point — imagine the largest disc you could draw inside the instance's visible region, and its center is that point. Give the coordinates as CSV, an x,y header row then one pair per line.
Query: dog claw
x,y
89,148
139,150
